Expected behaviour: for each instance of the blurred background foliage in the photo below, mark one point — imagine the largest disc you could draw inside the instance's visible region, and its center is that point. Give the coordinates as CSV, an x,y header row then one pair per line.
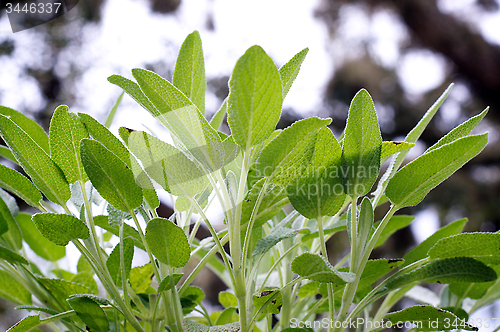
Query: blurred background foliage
x,y
445,34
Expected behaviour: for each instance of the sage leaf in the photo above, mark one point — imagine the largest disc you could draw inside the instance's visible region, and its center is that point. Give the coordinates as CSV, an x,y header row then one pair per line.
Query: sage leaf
x,y
481,246
128,231
134,91
31,128
66,131
62,289
395,224
44,172
273,201
19,185
140,278
413,182
218,117
319,191
11,257
113,262
183,119
428,318
189,72
289,71
60,228
7,154
284,159
167,242
276,235
25,324
362,146
166,165
90,313
317,268
166,283
445,271
390,148
460,131
9,224
255,98
12,290
420,251
112,178
271,299
228,300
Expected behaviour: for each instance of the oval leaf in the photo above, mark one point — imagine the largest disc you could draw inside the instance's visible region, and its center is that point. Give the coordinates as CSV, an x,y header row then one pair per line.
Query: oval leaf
x,y
167,242
60,228
19,185
31,128
255,98
90,313
112,178
317,268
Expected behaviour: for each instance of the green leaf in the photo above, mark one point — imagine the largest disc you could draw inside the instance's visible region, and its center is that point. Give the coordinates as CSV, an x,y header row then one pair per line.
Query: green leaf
x,y
289,71
112,178
420,251
102,134
362,146
113,110
167,242
228,300
36,308
83,265
317,268
182,118
134,91
10,202
7,154
395,224
376,269
218,117
166,284
66,131
128,231
25,324
365,222
289,154
413,182
60,228
44,172
319,191
168,166
255,98
189,73
113,262
446,271
62,289
19,185
482,246
31,128
90,313
140,278
191,297
428,318
86,279
272,299
12,290
277,234
227,316
273,201
9,224
11,257
390,148
460,131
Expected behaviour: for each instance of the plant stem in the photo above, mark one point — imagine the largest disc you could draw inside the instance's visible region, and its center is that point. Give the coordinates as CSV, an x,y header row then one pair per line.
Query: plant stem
x,y
324,252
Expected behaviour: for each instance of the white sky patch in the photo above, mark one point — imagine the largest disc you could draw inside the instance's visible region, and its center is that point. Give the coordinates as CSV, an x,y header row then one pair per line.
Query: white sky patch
x,y
425,224
387,33
421,71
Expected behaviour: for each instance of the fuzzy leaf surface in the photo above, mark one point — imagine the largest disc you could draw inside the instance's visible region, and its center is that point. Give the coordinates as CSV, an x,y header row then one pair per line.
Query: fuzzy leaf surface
x,y
413,182
362,146
66,131
112,178
25,324
60,228
167,242
31,128
317,268
425,317
42,170
13,290
189,72
90,313
19,185
289,71
113,262
390,148
255,98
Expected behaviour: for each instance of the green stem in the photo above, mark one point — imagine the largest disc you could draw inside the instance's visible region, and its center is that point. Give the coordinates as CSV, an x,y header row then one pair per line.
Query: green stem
x,y
324,252
122,266
350,288
90,221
